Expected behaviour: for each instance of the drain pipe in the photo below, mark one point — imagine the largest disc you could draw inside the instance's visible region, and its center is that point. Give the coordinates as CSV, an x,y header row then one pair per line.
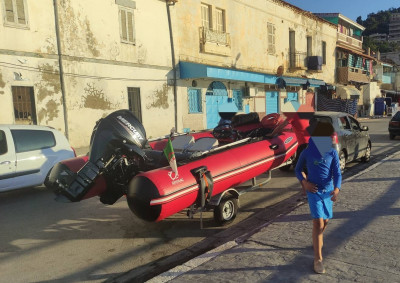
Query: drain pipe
x,y
172,3
60,64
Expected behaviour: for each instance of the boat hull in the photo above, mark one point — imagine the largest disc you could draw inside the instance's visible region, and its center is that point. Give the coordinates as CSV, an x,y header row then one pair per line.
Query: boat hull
x,y
157,194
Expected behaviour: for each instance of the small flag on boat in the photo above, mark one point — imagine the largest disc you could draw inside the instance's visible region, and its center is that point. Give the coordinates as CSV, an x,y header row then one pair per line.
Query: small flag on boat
x,y
169,153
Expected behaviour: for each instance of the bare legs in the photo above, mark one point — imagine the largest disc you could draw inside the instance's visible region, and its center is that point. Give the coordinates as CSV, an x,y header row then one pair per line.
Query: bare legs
x,y
319,226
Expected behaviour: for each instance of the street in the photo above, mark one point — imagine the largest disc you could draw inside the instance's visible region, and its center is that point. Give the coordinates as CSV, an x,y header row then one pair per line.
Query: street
x,y
46,241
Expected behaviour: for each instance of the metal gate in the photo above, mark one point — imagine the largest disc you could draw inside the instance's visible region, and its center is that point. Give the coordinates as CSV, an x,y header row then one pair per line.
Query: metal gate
x,y
216,95
272,102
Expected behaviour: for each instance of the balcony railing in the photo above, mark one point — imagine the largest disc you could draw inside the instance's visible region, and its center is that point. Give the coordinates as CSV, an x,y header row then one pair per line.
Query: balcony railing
x,y
349,40
208,35
348,74
297,60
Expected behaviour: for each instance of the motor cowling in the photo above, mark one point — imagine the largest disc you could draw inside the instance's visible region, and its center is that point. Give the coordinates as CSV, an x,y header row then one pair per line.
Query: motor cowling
x,y
117,141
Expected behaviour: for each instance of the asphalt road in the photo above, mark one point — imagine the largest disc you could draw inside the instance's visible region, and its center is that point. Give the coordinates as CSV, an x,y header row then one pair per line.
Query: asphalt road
x,y
45,241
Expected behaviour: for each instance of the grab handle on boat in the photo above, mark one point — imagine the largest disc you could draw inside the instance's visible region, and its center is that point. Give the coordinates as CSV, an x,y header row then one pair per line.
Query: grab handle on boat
x,y
273,146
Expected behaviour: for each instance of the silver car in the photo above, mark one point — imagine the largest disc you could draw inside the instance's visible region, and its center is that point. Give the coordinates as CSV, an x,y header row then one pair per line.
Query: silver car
x,y
28,152
352,140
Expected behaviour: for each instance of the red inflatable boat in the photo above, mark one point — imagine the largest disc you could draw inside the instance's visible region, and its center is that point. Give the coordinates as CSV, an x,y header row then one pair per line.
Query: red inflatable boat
x,y
210,165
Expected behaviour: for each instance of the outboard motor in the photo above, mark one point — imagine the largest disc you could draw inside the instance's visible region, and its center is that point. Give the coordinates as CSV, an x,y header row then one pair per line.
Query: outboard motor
x,y
116,152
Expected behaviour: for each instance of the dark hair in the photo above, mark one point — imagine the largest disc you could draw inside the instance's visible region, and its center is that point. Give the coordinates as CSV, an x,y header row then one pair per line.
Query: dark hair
x,y
320,129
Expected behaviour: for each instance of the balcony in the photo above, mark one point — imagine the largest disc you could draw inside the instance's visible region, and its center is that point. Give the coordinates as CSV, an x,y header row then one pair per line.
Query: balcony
x,y
297,61
352,41
352,74
215,42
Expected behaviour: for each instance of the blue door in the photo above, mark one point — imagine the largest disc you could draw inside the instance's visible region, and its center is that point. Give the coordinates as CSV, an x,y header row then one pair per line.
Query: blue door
x,y
272,102
292,96
216,94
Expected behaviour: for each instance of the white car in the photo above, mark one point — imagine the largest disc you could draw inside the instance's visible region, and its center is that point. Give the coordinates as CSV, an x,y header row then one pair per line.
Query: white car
x,y
27,154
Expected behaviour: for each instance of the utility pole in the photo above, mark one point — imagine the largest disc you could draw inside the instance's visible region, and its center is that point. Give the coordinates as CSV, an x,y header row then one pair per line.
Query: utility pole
x,y
61,69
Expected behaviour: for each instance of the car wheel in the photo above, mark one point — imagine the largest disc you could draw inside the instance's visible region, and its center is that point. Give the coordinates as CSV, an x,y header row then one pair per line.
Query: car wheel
x,y
392,136
226,211
367,155
287,167
342,161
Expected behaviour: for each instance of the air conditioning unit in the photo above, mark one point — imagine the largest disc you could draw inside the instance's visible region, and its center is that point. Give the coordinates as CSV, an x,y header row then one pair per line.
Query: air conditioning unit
x,y
314,63
246,91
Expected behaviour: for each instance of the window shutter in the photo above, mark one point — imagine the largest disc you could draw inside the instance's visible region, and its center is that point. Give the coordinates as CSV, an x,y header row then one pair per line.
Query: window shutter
x,y
124,35
194,100
21,12
9,11
131,35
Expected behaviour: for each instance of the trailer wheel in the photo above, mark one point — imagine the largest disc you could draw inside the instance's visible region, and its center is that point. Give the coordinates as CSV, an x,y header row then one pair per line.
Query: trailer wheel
x,y
226,211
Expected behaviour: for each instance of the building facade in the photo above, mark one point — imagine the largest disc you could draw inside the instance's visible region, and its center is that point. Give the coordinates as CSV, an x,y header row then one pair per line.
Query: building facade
x,y
394,27
71,64
68,63
259,54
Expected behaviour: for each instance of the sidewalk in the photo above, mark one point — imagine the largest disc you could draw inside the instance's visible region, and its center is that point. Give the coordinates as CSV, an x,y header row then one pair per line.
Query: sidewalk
x,y
361,243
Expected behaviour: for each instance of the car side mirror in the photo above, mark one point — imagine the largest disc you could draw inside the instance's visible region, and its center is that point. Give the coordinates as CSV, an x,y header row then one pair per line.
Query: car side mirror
x,y
364,128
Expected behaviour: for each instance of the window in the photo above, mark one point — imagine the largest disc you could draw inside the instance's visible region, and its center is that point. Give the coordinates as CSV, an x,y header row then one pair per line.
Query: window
x,y
343,123
24,105
15,13
354,124
309,46
37,140
3,143
134,102
323,52
271,38
194,100
126,20
206,21
220,18
292,48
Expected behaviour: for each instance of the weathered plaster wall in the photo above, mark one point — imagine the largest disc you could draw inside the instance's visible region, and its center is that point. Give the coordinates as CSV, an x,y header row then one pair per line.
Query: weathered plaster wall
x,y
95,32
91,98
39,73
246,22
99,67
39,37
31,52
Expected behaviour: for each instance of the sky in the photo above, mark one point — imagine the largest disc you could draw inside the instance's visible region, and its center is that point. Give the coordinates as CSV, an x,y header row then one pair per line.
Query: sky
x,y
349,8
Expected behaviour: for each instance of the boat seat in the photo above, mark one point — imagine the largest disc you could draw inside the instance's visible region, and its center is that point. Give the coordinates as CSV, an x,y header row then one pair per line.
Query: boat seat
x,y
243,119
181,143
203,144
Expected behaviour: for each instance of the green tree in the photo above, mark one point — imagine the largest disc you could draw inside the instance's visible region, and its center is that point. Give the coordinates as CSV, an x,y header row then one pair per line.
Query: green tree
x,y
378,23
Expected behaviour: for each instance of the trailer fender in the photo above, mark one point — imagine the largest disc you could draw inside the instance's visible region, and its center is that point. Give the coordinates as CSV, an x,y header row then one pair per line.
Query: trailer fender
x,y
216,200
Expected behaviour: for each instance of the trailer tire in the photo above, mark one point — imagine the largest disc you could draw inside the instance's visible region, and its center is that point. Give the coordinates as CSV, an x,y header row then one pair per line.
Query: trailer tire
x,y
226,211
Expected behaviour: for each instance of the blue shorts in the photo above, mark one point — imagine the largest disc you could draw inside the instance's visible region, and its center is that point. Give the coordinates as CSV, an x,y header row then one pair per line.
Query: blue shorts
x,y
320,204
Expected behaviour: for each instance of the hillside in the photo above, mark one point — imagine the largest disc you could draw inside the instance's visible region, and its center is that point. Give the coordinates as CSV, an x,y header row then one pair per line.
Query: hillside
x,y
378,23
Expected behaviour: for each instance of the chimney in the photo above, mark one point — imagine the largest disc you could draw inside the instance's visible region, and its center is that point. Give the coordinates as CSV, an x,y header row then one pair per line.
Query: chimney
x,y
368,51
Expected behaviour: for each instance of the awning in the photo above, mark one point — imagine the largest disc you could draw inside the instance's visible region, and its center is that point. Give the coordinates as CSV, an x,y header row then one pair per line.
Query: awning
x,y
347,92
293,81
189,70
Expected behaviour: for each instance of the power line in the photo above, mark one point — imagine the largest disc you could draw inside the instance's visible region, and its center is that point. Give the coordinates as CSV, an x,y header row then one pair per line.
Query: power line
x,y
43,70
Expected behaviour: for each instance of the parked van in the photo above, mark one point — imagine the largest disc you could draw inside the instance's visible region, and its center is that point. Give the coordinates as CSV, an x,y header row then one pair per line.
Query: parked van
x,y
28,152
